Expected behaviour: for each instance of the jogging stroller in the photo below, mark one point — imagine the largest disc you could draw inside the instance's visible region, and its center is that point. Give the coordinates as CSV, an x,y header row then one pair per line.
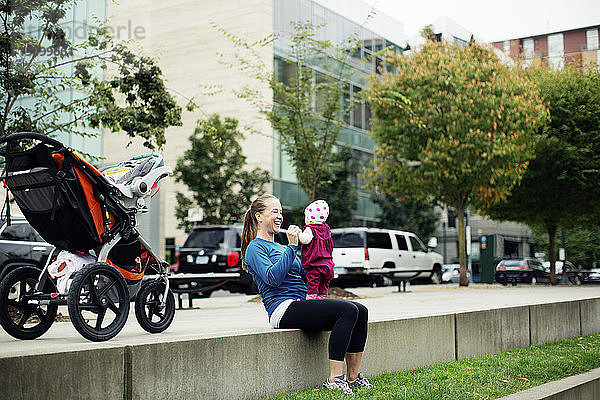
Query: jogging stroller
x,y
89,216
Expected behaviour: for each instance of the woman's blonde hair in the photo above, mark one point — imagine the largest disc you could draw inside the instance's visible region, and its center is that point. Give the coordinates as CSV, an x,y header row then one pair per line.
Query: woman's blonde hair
x,y
250,228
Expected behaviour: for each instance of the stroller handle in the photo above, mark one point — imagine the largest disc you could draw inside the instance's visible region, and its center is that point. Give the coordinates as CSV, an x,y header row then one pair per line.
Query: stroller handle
x,y
31,135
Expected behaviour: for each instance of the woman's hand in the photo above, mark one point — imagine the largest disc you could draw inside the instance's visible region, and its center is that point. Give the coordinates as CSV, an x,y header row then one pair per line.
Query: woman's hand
x,y
292,234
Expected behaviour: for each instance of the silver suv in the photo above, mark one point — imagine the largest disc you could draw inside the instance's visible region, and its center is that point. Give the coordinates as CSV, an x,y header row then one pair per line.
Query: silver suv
x,y
373,254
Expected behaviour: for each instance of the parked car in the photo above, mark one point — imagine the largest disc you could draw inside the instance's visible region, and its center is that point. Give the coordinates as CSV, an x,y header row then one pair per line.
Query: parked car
x,y
213,251
21,245
521,270
451,273
574,274
369,255
591,275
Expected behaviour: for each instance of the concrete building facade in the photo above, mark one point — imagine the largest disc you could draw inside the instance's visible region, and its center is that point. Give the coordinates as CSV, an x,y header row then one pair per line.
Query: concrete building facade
x,y
183,36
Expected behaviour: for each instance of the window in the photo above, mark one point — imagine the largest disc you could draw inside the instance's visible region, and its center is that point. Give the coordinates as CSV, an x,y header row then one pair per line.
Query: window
x,y
556,50
416,244
357,109
379,240
346,103
528,48
451,219
206,238
17,231
506,46
591,36
347,240
402,245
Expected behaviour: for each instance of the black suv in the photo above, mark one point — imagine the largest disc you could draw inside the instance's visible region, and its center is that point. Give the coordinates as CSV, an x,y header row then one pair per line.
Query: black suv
x,y
21,245
214,252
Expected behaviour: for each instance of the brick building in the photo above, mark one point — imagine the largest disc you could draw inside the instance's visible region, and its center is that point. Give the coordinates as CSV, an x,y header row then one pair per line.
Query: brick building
x,y
579,46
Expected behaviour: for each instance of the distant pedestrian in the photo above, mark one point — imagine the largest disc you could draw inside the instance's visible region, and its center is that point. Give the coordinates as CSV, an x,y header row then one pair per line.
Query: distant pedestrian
x,y
277,272
316,250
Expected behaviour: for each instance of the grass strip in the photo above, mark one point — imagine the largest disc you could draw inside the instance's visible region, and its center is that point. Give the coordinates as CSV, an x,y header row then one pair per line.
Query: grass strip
x,y
483,377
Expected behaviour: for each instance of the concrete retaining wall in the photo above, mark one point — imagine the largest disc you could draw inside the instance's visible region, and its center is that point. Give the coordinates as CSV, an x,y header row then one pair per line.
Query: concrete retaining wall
x,y
585,386
252,366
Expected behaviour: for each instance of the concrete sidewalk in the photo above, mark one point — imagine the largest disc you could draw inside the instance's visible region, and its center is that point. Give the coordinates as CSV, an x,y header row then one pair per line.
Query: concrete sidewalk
x,y
235,315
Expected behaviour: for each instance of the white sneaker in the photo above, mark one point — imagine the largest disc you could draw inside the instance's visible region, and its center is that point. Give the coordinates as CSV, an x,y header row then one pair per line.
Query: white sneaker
x,y
339,383
360,381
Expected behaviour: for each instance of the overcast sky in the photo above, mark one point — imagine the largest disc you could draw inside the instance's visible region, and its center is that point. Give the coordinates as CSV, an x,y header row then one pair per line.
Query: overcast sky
x,y
494,20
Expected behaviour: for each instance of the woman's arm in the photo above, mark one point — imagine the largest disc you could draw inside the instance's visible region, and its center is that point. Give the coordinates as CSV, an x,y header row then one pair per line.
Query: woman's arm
x,y
306,236
270,273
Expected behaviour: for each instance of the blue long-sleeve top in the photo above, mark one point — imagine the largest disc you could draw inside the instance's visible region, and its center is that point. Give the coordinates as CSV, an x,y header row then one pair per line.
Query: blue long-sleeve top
x,y
277,272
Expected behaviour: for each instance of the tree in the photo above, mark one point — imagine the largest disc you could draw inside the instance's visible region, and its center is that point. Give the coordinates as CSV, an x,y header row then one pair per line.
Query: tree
x,y
453,125
428,34
560,187
36,66
338,190
213,171
412,215
307,111
582,245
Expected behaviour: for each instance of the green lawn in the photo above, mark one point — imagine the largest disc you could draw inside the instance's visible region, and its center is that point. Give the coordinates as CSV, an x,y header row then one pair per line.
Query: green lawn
x,y
484,377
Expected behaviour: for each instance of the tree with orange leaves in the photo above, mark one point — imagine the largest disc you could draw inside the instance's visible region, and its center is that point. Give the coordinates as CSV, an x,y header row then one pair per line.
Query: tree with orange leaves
x,y
468,132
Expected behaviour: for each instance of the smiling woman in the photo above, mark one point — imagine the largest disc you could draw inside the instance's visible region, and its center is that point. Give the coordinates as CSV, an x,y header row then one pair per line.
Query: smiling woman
x,y
281,281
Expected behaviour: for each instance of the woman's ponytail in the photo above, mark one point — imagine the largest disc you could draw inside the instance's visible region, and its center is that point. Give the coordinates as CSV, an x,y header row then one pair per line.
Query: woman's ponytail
x,y
250,228
248,233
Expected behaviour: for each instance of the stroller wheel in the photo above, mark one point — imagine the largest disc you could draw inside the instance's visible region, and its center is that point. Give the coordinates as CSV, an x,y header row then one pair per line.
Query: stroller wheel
x,y
19,317
98,301
153,316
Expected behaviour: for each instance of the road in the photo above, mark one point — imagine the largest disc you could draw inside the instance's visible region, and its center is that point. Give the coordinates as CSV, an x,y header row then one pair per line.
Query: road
x,y
239,314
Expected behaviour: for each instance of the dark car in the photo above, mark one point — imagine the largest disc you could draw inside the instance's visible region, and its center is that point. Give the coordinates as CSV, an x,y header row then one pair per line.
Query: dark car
x,y
21,245
523,270
214,252
574,274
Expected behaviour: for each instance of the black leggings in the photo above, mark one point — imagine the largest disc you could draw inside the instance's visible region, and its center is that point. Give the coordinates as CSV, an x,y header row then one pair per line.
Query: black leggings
x,y
346,320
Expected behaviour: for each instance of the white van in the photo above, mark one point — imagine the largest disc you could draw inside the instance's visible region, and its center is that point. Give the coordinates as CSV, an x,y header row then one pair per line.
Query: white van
x,y
376,253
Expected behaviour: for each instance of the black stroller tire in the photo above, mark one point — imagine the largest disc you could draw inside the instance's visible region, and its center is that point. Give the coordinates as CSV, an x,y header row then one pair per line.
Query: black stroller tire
x,y
98,288
150,315
11,309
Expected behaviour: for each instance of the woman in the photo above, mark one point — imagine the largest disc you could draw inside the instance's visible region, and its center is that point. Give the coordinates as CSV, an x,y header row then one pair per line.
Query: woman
x,y
277,272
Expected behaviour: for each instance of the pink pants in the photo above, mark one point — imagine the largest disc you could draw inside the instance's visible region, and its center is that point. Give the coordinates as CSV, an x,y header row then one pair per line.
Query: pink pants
x,y
318,278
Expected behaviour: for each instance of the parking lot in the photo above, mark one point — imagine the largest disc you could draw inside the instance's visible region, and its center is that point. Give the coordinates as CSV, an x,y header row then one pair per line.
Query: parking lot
x,y
240,314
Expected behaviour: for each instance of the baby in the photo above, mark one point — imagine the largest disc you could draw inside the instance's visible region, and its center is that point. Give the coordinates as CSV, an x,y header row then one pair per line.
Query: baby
x,y
316,250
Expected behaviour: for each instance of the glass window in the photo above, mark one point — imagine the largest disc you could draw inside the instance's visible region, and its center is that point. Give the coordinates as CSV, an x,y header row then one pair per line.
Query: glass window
x,y
402,245
353,239
506,46
416,244
556,50
591,36
205,238
379,240
367,116
357,109
19,231
528,48
346,103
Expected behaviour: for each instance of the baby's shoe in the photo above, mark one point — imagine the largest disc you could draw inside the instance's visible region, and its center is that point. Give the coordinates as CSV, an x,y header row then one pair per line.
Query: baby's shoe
x,y
321,296
311,296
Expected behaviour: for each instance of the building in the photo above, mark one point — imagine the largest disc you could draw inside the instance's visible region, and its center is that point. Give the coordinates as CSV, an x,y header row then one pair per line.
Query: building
x,y
182,37
579,46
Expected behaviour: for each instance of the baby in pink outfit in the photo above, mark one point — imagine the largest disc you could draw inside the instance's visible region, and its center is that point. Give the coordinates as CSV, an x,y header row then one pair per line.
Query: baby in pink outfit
x,y
316,249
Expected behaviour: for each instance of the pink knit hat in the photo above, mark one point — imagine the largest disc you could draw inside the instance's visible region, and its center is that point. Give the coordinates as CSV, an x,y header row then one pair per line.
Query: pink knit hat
x,y
316,212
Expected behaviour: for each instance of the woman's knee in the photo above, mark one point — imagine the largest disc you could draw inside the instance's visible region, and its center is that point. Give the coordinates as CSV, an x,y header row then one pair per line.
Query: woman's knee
x,y
363,312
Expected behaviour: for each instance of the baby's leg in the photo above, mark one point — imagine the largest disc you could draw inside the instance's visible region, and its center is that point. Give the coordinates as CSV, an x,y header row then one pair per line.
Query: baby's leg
x,y
326,276
313,279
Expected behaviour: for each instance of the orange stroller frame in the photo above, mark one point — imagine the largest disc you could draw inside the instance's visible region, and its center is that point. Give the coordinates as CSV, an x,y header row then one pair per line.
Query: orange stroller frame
x,y
78,209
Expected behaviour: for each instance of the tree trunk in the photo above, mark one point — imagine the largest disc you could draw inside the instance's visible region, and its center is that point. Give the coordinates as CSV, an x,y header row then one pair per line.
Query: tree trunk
x,y
462,248
551,229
